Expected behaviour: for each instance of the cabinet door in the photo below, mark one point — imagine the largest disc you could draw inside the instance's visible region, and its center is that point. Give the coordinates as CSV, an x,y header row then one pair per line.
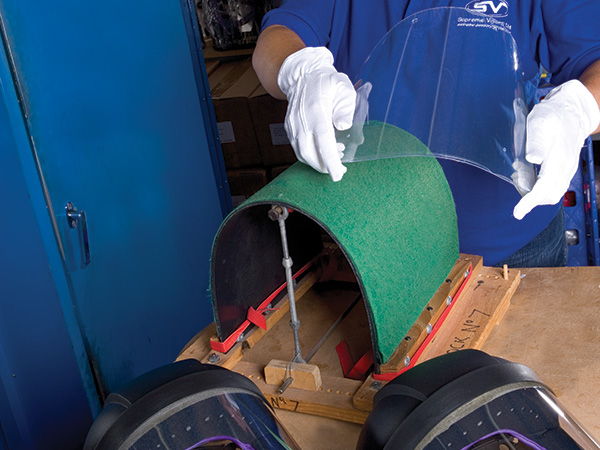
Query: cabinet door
x,y
43,403
116,121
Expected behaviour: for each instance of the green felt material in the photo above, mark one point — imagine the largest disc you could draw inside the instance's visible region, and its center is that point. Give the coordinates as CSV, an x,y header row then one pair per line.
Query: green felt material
x,y
395,221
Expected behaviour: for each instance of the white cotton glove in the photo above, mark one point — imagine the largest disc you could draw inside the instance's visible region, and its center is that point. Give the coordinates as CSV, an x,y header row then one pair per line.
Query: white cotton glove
x,y
556,130
319,99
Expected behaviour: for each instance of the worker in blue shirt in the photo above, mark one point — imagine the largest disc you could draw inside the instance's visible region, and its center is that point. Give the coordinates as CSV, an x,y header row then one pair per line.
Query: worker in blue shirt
x,y
309,50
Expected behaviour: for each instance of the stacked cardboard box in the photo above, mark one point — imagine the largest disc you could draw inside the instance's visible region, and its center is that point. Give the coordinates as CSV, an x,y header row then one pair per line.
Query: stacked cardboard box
x,y
231,85
268,115
250,123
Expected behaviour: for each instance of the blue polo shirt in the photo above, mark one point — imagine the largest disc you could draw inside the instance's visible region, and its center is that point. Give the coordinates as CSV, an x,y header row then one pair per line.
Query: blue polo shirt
x,y
563,37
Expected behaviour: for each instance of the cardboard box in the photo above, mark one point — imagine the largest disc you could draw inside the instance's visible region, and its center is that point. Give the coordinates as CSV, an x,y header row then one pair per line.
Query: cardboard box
x,y
268,115
275,171
245,182
211,66
231,84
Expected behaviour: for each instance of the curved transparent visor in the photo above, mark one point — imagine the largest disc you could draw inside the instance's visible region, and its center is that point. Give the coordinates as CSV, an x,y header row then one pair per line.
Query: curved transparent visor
x,y
524,419
228,421
453,80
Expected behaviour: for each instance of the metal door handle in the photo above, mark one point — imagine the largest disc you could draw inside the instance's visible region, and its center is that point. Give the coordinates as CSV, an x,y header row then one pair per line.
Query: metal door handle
x,y
76,219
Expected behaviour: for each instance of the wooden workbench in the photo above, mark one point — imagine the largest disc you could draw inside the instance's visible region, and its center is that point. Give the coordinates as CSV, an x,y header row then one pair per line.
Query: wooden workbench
x,y
552,326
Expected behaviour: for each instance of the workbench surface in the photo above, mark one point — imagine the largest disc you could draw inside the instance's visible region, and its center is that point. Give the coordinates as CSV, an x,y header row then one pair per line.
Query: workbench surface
x,y
552,326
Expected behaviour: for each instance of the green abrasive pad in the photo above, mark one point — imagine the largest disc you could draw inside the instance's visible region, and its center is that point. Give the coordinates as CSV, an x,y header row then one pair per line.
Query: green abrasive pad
x,y
395,221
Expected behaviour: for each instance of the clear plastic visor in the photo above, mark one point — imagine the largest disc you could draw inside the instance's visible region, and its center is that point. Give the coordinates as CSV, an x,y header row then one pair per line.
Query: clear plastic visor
x,y
452,79
229,421
525,419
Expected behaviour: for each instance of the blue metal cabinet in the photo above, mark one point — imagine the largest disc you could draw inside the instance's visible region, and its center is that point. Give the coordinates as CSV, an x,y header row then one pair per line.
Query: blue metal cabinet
x,y
112,190
42,395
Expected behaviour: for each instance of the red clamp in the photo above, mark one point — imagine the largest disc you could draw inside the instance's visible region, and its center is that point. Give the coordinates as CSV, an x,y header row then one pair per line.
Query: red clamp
x,y
358,370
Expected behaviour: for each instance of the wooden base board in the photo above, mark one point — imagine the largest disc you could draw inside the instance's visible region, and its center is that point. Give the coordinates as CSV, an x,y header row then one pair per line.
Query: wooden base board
x,y
333,399
467,325
471,320
457,278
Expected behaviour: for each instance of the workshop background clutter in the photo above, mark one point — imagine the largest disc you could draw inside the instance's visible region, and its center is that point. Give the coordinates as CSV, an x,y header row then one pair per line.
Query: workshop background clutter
x,y
250,123
254,144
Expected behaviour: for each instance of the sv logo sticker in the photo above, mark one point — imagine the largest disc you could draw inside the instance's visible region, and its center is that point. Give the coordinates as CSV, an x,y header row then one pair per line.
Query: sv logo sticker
x,y
492,8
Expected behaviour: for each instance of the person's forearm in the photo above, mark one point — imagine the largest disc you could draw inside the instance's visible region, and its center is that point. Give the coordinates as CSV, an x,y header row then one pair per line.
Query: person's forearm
x,y
591,80
274,45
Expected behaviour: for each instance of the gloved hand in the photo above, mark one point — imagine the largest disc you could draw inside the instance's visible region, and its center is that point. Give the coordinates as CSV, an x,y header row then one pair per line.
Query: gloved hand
x,y
556,130
319,99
